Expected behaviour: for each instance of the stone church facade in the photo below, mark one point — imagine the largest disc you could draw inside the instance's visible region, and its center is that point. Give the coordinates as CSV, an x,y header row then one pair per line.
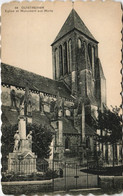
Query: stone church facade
x,y
69,102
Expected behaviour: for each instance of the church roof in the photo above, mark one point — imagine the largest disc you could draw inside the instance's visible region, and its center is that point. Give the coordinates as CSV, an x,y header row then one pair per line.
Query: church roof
x,y
68,127
74,22
14,76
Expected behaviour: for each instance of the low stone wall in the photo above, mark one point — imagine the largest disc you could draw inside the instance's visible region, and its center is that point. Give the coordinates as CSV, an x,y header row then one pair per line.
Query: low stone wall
x,y
108,183
25,187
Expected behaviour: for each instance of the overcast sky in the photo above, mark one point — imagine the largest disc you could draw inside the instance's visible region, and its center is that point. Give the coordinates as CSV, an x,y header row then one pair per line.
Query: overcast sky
x,y
27,37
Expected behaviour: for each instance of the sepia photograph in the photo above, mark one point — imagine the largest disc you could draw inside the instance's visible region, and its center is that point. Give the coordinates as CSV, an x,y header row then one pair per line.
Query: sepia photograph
x,y
61,98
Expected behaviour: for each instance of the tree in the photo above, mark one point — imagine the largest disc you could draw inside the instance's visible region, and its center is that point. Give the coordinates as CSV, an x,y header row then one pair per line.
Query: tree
x,y
7,139
41,138
110,123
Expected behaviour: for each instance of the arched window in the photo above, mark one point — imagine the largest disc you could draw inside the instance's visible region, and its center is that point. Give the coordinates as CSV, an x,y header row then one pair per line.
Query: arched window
x,y
65,59
80,54
60,60
56,64
79,43
70,55
90,53
83,49
67,143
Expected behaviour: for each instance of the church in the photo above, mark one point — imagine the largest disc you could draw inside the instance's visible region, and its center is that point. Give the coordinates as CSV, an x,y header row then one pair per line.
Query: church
x,y
69,103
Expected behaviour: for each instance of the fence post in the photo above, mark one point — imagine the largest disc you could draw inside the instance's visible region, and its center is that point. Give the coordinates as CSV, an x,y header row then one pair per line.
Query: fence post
x,y
65,177
87,173
98,182
76,176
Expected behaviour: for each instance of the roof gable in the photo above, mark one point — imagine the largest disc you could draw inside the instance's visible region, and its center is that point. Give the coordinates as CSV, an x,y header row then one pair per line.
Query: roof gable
x,y
68,127
73,22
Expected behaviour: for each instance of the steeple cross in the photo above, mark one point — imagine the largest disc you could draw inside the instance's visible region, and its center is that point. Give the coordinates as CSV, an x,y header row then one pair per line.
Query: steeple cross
x,y
72,4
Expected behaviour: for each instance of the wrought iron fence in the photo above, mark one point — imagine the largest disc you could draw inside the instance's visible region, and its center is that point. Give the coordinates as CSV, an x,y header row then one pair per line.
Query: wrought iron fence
x,y
63,175
73,177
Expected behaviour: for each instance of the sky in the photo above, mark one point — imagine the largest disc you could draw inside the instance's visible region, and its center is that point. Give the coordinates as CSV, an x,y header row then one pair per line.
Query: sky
x,y
27,37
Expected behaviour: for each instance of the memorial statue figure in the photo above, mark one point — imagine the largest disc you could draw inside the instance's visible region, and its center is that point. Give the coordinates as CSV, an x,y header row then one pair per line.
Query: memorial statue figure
x,y
17,141
29,138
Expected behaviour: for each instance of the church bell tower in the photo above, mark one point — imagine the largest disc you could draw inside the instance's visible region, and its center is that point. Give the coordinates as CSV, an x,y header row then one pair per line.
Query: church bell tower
x,y
76,62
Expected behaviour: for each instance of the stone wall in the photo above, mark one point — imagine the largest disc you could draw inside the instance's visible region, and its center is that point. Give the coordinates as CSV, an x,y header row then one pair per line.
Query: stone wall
x,y
35,98
26,187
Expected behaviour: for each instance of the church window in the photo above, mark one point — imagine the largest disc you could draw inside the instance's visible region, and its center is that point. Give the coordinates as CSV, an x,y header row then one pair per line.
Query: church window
x,y
79,43
67,143
83,49
90,53
70,55
60,60
65,59
56,64
80,54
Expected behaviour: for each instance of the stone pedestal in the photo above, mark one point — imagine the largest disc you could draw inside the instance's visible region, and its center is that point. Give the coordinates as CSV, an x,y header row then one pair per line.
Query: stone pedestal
x,y
22,160
22,127
22,163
